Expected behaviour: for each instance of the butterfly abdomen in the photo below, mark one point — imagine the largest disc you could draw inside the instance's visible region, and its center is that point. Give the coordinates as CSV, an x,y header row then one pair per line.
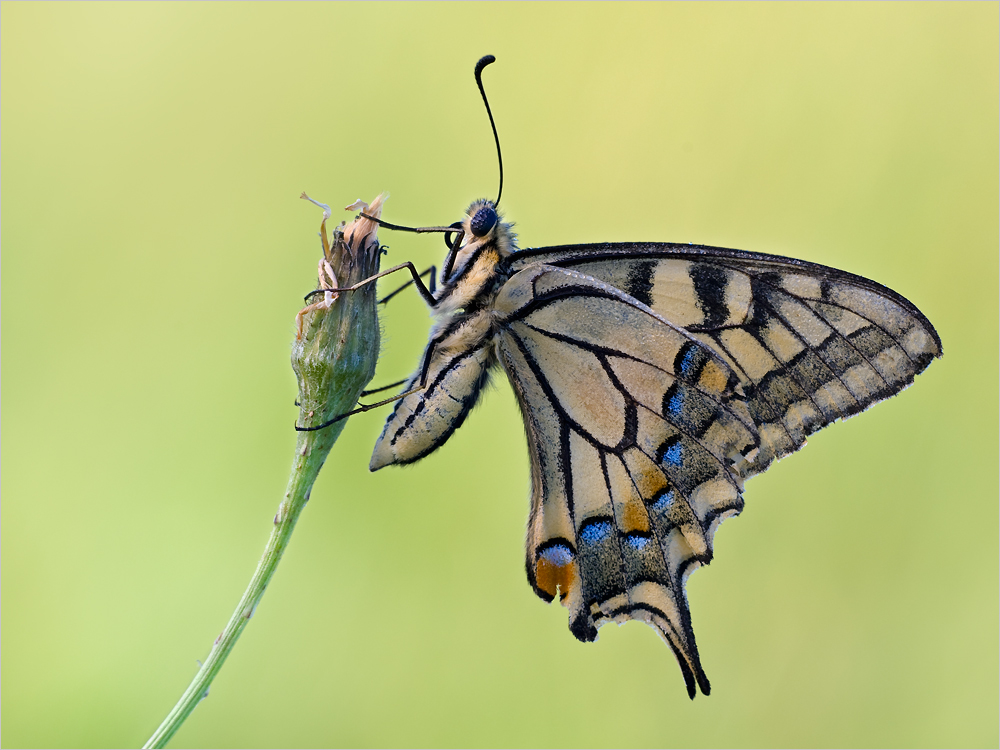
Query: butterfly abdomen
x,y
455,369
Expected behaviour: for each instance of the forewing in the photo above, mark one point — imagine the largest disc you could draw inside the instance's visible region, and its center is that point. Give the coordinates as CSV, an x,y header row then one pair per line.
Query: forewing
x,y
810,344
457,362
634,429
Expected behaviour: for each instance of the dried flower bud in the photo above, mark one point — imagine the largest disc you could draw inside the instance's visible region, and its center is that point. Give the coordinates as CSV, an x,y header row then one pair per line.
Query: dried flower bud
x,y
336,349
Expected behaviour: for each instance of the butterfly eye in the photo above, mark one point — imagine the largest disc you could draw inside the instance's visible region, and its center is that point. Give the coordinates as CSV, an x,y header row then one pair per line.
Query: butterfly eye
x,y
484,220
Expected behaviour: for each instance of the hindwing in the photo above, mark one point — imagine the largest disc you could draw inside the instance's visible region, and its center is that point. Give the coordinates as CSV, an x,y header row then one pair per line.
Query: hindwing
x,y
635,430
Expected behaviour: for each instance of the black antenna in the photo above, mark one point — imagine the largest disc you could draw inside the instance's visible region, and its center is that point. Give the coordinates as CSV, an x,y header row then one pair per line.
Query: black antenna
x,y
483,62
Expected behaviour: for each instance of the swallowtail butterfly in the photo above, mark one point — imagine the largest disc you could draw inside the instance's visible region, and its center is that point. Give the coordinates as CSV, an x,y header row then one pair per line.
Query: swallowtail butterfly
x,y
654,379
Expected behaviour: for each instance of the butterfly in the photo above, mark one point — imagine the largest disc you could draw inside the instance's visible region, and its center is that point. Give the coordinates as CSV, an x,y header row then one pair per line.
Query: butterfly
x,y
653,379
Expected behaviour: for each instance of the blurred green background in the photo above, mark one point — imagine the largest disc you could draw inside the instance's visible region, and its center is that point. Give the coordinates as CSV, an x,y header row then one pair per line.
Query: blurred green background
x,y
155,252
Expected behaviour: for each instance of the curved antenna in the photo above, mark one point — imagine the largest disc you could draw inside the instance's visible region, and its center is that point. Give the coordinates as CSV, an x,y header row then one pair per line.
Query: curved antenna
x,y
483,62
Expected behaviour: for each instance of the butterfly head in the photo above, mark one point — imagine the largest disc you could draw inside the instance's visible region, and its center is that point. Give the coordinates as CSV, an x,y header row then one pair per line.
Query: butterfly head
x,y
481,231
483,224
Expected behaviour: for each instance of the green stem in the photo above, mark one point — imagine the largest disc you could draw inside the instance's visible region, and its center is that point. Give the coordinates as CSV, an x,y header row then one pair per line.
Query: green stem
x,y
334,358
310,453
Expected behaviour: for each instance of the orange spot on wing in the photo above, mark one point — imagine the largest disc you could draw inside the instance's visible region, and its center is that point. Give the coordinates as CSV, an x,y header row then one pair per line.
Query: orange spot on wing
x,y
634,517
713,377
649,480
549,576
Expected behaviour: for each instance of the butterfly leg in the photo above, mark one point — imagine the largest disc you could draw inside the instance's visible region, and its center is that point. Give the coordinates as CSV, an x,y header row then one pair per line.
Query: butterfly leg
x,y
432,285
432,348
421,287
443,347
382,388
371,391
422,383
361,408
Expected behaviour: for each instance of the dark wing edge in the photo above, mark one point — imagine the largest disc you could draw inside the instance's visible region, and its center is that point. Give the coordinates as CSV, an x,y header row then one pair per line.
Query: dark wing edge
x,y
568,255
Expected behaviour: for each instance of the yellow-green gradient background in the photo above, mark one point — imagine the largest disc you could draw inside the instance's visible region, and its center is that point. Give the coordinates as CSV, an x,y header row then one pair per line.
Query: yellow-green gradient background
x,y
155,252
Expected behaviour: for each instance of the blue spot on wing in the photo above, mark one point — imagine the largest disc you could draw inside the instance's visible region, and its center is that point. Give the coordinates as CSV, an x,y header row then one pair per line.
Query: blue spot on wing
x,y
593,533
675,404
638,541
673,455
689,359
663,501
558,555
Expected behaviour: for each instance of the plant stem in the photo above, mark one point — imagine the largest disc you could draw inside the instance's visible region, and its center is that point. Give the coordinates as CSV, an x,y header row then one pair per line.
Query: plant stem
x,y
333,357
310,453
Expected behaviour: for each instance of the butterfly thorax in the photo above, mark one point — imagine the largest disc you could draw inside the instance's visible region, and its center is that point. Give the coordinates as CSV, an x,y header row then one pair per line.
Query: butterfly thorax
x,y
474,271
